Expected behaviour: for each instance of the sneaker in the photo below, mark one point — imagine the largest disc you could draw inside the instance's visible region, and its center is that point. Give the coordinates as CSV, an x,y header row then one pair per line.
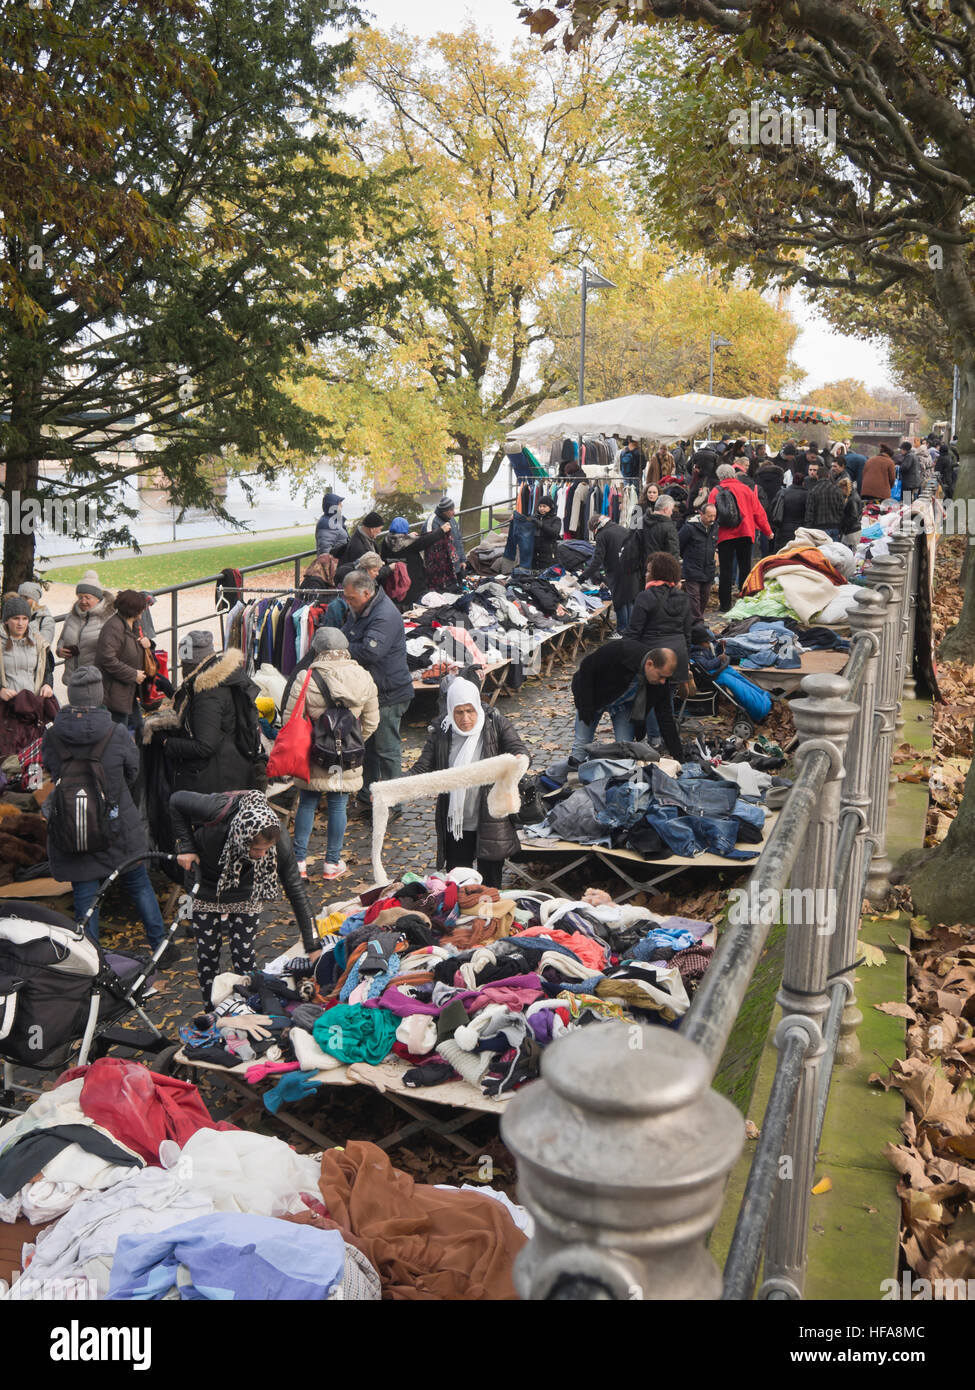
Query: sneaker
x,y
169,956
302,868
331,871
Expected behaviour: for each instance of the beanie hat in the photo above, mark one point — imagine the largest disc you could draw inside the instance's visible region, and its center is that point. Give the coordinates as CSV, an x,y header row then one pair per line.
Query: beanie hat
x,y
329,639
445,504
265,706
31,591
399,526
15,607
547,502
196,646
85,687
88,584
373,519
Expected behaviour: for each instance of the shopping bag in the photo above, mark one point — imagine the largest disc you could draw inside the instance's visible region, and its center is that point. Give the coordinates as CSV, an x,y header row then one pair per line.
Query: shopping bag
x,y
291,754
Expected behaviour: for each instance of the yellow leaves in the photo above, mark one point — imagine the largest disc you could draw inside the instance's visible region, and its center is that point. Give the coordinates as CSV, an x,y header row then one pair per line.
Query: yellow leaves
x,y
872,955
824,1185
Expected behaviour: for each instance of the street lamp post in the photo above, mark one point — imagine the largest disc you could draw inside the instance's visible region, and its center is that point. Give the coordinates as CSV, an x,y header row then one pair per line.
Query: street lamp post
x,y
715,340
590,281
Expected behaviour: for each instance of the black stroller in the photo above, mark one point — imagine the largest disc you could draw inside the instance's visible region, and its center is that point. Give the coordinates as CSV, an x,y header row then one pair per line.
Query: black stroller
x,y
63,999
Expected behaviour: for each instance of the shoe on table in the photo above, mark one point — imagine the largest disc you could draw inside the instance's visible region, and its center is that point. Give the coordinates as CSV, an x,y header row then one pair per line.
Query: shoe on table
x,y
331,871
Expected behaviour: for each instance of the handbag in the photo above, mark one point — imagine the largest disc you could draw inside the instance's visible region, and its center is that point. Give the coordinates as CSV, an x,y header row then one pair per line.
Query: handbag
x,y
291,754
149,664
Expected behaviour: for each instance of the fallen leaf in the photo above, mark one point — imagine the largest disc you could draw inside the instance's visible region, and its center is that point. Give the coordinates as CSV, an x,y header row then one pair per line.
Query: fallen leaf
x,y
871,1211
896,1010
752,1130
824,1185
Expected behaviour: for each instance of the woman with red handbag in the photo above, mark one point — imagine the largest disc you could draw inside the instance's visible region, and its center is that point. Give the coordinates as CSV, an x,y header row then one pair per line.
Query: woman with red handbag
x,y
332,679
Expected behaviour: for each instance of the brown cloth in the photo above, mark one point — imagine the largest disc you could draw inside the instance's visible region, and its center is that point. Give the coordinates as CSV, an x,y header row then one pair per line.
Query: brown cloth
x,y
425,1243
14,1236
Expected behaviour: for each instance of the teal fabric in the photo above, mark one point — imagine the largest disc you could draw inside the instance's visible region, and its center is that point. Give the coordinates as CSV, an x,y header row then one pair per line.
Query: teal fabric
x,y
354,1033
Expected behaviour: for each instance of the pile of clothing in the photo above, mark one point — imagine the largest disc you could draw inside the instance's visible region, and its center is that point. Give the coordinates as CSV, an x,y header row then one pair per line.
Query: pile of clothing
x,y
810,580
631,803
758,643
117,1184
503,619
462,983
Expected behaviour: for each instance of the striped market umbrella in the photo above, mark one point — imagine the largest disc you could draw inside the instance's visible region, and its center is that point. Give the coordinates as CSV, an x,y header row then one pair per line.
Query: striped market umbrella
x,y
760,413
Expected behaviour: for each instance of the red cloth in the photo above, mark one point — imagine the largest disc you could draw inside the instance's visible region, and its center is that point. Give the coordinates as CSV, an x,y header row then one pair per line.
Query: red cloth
x,y
752,512
378,906
140,1107
588,950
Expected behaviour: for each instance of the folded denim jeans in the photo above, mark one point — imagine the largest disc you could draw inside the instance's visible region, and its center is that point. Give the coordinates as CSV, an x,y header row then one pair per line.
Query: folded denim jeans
x,y
693,835
697,797
598,769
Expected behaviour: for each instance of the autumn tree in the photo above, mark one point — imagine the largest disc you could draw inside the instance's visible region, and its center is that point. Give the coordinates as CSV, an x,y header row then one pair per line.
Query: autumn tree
x,y
509,162
880,201
651,334
176,236
848,395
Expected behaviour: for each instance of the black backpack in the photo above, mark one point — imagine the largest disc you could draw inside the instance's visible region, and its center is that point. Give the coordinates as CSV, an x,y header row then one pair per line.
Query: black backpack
x,y
726,506
78,818
337,743
631,552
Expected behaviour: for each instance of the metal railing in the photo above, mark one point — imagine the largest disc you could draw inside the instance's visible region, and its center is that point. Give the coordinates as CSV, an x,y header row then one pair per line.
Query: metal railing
x,y
623,1146
299,560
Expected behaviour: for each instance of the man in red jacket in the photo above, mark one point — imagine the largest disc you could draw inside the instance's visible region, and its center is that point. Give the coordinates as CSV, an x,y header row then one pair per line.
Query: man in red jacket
x,y
735,542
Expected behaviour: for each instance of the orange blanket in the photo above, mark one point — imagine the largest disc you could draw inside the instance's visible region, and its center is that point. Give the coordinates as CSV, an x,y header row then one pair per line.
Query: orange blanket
x,y
806,555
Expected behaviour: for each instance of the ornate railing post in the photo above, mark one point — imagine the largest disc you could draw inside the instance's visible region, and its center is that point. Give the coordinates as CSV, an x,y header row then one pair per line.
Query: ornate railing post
x,y
823,719
887,575
902,546
867,616
623,1150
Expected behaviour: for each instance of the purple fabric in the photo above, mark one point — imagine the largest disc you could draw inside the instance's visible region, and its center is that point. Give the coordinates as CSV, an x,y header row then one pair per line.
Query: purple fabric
x,y
696,929
516,992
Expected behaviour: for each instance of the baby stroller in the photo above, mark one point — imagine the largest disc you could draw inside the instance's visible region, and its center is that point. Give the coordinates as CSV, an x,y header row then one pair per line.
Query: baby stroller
x,y
724,683
62,998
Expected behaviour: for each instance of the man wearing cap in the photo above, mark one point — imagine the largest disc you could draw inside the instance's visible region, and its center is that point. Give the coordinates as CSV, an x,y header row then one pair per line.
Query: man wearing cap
x,y
92,608
330,530
85,729
361,542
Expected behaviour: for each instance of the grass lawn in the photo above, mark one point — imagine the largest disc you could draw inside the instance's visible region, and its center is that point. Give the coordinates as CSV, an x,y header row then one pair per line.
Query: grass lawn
x,y
158,571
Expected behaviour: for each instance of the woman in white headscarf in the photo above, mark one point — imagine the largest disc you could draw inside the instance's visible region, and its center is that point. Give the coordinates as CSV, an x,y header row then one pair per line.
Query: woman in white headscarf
x,y
467,836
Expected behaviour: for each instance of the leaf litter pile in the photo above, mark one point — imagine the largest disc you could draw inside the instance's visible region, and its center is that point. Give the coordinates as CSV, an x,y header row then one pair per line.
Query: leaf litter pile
x,y
936,1160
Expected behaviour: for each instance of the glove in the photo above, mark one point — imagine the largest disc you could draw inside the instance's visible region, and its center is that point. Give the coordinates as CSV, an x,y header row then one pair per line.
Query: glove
x,y
254,1025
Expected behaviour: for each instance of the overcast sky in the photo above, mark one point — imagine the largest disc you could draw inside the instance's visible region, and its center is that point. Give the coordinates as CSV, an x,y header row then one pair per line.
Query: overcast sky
x,y
824,354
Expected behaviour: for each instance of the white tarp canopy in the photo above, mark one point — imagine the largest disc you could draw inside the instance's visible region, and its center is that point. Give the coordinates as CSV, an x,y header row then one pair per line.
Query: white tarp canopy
x,y
643,417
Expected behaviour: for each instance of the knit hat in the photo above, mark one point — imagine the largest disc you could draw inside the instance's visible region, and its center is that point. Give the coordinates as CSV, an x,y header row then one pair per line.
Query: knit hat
x,y
446,504
373,519
31,591
547,502
15,607
265,706
89,584
85,687
196,647
399,526
329,639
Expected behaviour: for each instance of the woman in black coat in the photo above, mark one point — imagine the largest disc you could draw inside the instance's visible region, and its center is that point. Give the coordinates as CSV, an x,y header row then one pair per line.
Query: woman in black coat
x,y
401,544
215,744
243,855
790,510
662,615
467,835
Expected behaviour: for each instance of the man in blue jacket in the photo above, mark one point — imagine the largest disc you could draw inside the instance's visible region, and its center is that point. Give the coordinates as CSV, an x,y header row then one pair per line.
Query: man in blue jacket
x,y
377,640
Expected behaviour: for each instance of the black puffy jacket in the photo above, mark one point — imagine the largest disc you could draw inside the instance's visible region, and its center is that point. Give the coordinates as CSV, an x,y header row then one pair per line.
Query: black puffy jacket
x,y
215,746
81,730
697,546
661,617
496,839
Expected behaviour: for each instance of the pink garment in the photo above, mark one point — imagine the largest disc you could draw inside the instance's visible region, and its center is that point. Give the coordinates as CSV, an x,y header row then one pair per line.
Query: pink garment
x,y
515,992
589,951
262,1069
461,635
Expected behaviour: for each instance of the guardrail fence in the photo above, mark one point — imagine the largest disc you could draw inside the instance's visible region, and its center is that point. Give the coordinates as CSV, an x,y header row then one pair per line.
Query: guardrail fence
x,y
623,1147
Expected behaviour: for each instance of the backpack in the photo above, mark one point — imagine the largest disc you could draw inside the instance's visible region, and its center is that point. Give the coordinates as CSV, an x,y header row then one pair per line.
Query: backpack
x,y
778,507
78,818
397,585
337,743
726,506
631,552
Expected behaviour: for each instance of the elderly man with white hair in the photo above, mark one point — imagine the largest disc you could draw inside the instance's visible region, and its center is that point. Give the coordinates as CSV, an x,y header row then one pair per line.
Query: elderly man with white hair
x,y
659,530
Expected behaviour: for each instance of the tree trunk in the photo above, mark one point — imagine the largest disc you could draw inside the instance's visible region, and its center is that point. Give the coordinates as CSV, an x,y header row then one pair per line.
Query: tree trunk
x,y
943,887
959,642
20,484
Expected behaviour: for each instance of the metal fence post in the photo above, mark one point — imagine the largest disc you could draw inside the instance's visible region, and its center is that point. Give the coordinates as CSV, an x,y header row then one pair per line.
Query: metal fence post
x,y
823,722
902,547
174,622
867,616
886,574
623,1150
